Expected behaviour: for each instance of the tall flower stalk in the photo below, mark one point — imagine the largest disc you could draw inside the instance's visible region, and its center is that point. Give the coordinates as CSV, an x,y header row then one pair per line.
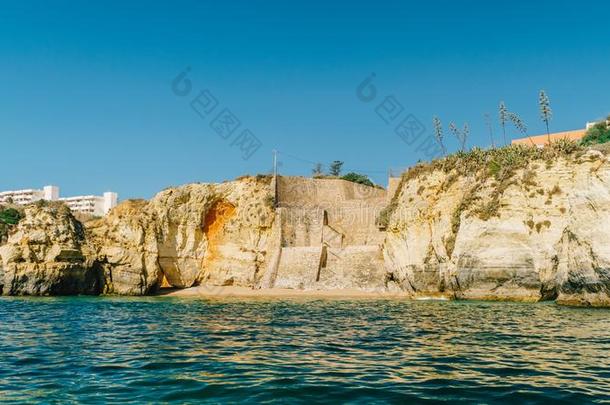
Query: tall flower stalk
x,y
520,125
461,135
546,114
503,115
438,133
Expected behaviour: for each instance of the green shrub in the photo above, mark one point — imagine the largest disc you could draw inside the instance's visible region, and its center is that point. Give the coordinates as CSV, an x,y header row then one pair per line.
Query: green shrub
x,y
10,216
494,168
566,146
599,133
358,178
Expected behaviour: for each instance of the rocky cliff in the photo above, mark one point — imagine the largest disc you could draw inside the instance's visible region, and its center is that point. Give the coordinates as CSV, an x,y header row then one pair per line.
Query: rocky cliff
x,y
186,236
196,234
46,254
510,224
518,225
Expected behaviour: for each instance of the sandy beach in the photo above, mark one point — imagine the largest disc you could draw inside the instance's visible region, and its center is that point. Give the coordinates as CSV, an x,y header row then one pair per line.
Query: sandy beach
x,y
244,292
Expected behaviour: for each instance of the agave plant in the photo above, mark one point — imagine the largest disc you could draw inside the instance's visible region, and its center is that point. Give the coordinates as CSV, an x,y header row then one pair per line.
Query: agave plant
x,y
461,135
545,112
438,133
520,125
504,117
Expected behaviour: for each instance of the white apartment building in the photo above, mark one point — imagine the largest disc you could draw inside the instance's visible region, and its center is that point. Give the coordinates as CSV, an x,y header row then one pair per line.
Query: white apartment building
x,y
89,204
92,204
30,195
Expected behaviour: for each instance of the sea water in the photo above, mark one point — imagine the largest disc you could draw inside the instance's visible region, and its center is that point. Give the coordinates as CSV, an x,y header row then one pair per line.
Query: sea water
x,y
160,349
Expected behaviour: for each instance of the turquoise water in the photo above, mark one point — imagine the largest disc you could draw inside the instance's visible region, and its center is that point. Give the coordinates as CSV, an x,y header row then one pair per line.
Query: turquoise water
x,y
146,350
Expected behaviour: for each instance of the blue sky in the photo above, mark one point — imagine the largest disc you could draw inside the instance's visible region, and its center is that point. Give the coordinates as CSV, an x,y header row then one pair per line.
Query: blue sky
x,y
87,100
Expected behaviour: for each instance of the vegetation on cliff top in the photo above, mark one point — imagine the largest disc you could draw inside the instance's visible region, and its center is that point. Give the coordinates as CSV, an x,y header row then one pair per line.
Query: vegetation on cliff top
x,y
598,134
334,172
358,178
9,217
499,164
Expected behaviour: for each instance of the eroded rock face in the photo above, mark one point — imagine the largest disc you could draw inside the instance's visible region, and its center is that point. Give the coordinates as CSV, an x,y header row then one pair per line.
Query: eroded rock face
x,y
46,255
199,233
126,249
214,234
543,235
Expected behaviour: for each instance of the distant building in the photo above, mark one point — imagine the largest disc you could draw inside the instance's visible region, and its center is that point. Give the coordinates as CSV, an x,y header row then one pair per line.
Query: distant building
x,y
541,140
89,204
27,196
92,204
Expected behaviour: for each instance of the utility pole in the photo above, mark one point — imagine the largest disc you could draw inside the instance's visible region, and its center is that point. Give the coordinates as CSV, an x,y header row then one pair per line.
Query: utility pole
x,y
274,181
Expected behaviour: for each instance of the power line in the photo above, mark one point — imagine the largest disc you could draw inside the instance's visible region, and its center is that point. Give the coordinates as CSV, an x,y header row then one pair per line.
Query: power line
x,y
298,158
315,163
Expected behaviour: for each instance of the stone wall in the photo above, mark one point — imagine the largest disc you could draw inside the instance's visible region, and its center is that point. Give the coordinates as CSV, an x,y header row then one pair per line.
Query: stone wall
x,y
329,230
299,267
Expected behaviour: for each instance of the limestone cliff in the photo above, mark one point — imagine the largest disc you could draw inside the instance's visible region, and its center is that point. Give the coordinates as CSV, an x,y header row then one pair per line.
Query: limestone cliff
x,y
186,236
321,234
500,230
45,254
510,224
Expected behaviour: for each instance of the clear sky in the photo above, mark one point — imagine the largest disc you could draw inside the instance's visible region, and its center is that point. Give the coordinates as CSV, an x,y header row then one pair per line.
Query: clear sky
x,y
87,99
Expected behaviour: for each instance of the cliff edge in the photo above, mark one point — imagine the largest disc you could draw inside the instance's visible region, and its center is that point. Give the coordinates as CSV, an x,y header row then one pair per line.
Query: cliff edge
x,y
515,223
46,254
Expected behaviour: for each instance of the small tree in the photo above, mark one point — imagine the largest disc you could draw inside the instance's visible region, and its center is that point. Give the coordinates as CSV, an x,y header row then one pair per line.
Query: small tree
x,y
335,168
317,169
490,129
438,133
504,116
545,112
